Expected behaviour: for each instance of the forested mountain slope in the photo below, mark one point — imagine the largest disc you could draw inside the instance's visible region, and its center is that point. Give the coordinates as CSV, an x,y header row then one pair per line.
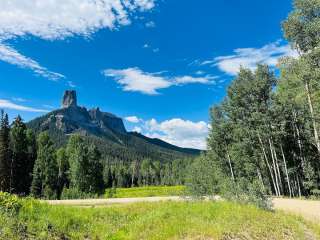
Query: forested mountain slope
x,y
107,131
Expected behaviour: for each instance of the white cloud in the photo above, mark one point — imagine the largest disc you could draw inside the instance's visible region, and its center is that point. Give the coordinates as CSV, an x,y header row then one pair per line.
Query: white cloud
x,y
6,104
148,46
10,55
59,19
132,119
199,72
179,132
250,57
137,129
135,80
151,24
189,79
71,84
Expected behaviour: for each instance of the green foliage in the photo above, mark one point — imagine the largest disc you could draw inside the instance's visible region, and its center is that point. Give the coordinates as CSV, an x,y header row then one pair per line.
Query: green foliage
x,y
303,25
166,220
20,165
63,169
246,192
86,170
74,193
45,172
204,178
4,153
315,194
9,203
150,191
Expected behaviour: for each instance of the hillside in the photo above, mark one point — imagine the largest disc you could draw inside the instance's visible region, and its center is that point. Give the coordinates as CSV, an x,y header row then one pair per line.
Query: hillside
x,y
106,130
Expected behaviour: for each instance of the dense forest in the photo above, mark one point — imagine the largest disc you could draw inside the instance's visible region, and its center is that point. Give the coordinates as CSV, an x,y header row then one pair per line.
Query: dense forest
x,y
33,165
266,130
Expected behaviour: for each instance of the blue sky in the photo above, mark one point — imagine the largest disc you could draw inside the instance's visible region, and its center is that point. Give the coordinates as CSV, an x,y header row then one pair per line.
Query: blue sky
x,y
158,64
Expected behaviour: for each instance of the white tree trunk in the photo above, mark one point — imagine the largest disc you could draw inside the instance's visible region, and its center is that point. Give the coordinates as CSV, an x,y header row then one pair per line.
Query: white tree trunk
x,y
230,165
286,170
274,168
315,131
268,164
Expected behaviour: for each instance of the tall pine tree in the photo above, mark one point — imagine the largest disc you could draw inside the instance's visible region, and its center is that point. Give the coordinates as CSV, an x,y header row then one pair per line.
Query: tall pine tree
x,y
20,164
45,172
4,153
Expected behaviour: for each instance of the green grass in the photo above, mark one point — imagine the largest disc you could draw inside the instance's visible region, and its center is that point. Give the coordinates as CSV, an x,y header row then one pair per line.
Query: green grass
x,y
153,221
152,191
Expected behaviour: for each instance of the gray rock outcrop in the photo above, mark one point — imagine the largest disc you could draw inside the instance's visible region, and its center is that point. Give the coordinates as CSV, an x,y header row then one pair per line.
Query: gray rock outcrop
x,y
69,99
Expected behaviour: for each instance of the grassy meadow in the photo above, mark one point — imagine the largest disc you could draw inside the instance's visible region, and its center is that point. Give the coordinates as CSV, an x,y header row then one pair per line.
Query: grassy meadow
x,y
152,221
148,191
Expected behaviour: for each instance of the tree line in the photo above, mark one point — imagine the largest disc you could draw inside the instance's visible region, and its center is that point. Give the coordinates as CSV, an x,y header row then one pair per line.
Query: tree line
x,y
266,130
31,164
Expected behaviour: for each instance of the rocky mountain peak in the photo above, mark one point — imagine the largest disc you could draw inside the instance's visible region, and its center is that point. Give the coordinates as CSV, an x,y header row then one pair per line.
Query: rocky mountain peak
x,y
69,99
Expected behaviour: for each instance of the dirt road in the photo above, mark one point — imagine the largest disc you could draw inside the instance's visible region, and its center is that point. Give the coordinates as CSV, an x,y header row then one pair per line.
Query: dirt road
x,y
308,209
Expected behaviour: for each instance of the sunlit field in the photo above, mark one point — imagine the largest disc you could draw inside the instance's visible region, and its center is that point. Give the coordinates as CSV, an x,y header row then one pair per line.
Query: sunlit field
x,y
165,220
151,191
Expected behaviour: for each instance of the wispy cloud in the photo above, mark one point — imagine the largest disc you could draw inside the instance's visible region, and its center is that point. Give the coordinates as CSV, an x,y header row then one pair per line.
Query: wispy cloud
x,y
49,106
10,55
56,20
250,57
6,104
133,119
135,80
19,99
153,49
151,24
71,84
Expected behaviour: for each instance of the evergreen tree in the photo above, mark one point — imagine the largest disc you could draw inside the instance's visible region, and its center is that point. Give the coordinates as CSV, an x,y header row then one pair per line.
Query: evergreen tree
x,y
63,169
45,173
31,155
4,153
86,170
95,170
20,165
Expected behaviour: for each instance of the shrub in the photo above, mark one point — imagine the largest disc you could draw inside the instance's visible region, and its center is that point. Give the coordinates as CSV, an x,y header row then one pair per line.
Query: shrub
x,y
315,194
74,193
204,178
245,192
9,203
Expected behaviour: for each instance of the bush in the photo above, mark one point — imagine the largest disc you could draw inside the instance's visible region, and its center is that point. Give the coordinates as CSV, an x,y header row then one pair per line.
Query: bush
x,y
74,193
110,192
245,192
315,194
204,178
9,203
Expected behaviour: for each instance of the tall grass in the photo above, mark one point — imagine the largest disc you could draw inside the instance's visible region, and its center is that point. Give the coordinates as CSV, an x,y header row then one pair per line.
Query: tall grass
x,y
148,191
152,221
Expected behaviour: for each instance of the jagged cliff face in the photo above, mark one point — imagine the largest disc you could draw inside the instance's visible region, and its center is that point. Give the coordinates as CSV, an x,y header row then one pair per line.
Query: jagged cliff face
x,y
72,118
